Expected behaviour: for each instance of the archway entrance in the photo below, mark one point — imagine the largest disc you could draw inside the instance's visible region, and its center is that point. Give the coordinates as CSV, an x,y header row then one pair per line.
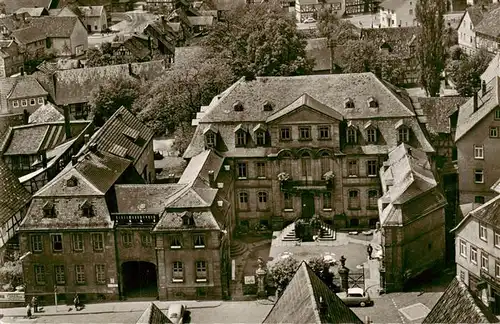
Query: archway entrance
x,y
139,279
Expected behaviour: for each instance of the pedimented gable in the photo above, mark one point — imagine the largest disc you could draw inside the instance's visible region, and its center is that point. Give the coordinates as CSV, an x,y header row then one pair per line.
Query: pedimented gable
x,y
70,183
305,115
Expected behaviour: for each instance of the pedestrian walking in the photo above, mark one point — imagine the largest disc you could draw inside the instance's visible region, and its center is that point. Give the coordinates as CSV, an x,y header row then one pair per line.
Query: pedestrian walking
x,y
34,302
369,249
76,301
28,311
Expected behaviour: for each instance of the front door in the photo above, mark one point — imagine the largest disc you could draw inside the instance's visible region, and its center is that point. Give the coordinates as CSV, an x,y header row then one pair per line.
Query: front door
x,y
307,205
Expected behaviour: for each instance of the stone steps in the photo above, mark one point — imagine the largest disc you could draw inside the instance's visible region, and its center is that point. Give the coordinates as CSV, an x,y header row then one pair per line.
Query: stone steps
x,y
237,248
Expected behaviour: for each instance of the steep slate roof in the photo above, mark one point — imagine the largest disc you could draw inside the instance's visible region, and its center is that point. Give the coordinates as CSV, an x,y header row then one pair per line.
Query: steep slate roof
x,y
153,315
123,130
488,213
438,111
28,35
476,14
34,138
317,49
62,12
300,302
467,118
55,27
200,165
13,196
399,39
45,114
147,198
306,100
26,87
12,6
172,221
412,191
489,24
33,12
91,11
458,305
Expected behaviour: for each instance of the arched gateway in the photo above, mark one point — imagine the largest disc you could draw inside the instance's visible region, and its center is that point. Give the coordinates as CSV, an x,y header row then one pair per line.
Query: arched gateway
x,y
139,279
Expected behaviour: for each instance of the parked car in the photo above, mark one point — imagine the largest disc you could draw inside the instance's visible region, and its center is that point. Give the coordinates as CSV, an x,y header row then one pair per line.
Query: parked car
x,y
176,313
355,297
309,20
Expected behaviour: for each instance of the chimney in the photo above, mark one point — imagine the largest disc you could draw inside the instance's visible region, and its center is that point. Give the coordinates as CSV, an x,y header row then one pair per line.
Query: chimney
x,y
86,138
26,117
93,147
475,101
150,46
44,159
211,179
74,160
22,70
67,125
483,88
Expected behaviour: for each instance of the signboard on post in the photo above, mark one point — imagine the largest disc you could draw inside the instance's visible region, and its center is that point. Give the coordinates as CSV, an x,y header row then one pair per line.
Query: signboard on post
x,y
249,280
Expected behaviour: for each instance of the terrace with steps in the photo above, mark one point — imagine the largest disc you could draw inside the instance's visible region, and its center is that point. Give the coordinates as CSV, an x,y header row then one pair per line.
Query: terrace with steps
x,y
327,234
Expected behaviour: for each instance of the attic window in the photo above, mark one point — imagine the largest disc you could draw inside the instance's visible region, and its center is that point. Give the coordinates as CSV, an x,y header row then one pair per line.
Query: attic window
x,y
372,103
49,210
87,210
349,103
187,219
131,133
72,182
268,106
238,106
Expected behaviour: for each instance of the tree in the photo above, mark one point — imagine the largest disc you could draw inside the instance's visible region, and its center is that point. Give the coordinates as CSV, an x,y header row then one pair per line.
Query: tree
x,y
336,31
466,73
260,40
108,97
282,272
322,269
431,49
182,137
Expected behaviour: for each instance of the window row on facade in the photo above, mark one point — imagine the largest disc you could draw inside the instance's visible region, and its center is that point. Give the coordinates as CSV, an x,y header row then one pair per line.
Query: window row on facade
x,y
476,256
31,101
178,271
61,276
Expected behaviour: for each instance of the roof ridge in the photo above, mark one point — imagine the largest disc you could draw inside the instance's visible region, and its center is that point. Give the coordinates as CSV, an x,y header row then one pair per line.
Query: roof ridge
x,y
315,310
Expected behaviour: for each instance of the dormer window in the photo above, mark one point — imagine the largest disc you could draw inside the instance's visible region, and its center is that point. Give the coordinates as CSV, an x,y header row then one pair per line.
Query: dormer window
x,y
241,136
210,137
87,209
268,106
187,219
371,135
260,138
352,134
72,182
349,103
372,103
49,210
403,132
238,106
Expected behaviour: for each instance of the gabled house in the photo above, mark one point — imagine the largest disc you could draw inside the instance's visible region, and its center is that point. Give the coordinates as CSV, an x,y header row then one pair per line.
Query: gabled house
x,y
62,12
21,93
466,28
412,216
164,38
11,6
307,299
200,24
46,114
134,48
94,18
11,58
33,12
397,13
353,7
310,8
488,31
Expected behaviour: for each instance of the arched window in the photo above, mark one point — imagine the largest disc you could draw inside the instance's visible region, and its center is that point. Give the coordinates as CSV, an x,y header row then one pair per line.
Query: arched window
x,y
288,200
262,200
286,163
306,164
243,200
353,199
325,163
352,137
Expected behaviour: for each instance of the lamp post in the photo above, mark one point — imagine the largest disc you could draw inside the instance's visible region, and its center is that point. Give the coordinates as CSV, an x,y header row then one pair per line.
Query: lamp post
x,y
55,296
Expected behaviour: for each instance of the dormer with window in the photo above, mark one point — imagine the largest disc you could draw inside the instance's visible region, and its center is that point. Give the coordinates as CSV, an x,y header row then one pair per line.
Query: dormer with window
x,y
261,137
268,106
87,209
238,106
403,132
348,103
241,136
372,103
187,219
49,210
72,182
371,133
351,134
210,134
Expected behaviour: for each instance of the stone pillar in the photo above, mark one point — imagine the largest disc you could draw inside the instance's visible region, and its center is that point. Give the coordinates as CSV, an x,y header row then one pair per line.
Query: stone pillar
x,y
382,276
261,277
344,274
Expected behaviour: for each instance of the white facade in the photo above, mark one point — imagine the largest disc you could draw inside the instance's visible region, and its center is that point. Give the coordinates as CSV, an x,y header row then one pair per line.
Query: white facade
x,y
467,35
403,16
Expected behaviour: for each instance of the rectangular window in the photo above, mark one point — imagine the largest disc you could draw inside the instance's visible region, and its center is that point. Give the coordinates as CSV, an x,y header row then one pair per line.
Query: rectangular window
x,y
40,101
483,232
201,271
462,275
146,240
327,200
497,114
177,272
262,200
57,245
478,176
97,242
352,168
59,275
479,199
478,152
304,133
77,242
372,168
40,274
324,132
497,269
473,254
306,166
484,261
463,248
80,274
285,134
497,239
36,243
373,199
371,135
127,239
24,102
261,169
199,241
353,202
493,131
15,103
175,242
100,273
288,201
243,201
325,164
242,170
241,138
403,135
261,138
32,101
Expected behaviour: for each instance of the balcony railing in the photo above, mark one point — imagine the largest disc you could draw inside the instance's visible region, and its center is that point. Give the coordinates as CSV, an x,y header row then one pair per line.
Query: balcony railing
x,y
306,185
135,220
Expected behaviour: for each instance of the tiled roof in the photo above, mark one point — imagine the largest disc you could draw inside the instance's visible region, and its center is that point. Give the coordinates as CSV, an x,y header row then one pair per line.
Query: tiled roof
x,y
489,24
146,198
153,315
45,114
28,35
26,87
193,197
476,14
188,56
398,39
91,11
13,196
172,221
138,46
438,110
123,130
68,214
467,118
33,12
62,12
488,213
75,85
458,305
200,165
392,4
12,6
317,49
301,302
34,138
12,23
492,70
55,27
